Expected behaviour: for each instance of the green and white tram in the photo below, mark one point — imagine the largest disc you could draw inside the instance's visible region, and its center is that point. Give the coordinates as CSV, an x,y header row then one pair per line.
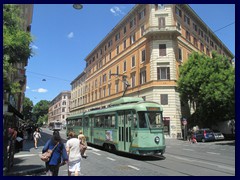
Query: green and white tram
x,y
130,125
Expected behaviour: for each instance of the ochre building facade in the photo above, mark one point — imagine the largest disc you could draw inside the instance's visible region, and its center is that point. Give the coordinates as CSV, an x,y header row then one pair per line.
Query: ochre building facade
x,y
146,49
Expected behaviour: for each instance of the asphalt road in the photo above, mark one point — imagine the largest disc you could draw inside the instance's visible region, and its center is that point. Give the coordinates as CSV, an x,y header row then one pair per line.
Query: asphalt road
x,y
181,159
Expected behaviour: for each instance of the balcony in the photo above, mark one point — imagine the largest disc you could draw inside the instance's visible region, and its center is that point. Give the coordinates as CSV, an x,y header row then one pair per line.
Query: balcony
x,y
167,30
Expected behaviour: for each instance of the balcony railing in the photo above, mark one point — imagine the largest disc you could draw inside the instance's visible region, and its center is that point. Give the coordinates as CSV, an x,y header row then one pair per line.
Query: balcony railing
x,y
162,30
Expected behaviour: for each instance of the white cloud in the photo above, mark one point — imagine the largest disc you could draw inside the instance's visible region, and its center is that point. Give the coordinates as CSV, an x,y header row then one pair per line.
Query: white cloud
x,y
116,11
40,90
34,47
27,87
70,35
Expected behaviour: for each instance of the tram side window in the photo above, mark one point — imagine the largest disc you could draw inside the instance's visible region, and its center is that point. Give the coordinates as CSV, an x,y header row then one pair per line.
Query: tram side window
x,y
134,120
110,121
86,122
142,120
79,122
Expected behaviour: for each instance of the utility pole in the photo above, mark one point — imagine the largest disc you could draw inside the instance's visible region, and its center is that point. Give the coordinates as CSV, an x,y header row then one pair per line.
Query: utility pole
x,y
124,80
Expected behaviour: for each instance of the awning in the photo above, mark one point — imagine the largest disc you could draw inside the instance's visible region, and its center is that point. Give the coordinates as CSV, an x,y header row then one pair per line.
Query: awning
x,y
16,112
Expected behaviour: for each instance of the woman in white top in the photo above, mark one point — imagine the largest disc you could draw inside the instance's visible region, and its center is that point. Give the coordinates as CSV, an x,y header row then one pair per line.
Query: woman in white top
x,y
74,155
36,136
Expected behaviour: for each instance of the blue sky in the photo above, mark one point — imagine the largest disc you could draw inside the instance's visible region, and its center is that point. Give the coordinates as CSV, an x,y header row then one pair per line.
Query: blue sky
x,y
63,37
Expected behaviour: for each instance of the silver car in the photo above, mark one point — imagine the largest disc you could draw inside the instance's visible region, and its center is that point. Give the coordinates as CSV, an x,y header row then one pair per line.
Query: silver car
x,y
218,135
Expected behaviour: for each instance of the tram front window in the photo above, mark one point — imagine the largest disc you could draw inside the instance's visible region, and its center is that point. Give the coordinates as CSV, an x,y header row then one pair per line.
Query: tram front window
x,y
142,120
155,119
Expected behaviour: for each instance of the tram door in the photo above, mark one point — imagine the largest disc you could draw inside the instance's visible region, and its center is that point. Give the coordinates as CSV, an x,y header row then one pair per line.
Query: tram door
x,y
124,130
87,129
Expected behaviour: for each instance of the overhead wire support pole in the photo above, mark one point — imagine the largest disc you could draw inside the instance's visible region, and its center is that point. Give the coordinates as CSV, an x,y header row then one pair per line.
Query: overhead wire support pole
x,y
124,80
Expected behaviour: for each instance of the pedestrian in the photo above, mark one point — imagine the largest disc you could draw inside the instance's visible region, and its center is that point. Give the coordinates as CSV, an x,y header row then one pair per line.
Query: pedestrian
x,y
59,154
74,154
19,140
83,142
36,137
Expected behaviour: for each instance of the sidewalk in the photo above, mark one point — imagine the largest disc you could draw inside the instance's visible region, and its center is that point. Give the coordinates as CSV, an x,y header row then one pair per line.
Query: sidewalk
x,y
27,161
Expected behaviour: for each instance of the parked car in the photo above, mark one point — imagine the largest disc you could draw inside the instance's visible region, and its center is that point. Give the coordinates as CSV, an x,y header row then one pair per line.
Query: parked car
x,y
204,135
218,135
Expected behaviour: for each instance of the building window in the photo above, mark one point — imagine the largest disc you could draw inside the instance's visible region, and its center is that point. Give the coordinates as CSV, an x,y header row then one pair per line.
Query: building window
x,y
132,22
116,86
133,78
143,55
124,30
179,54
202,47
159,6
125,44
178,26
142,29
110,43
188,36
109,89
117,36
117,70
164,99
104,78
133,61
161,22
104,91
63,109
163,73
143,77
195,42
109,74
124,66
110,56
117,49
162,50
132,38
64,103
187,20
195,27
142,14
178,11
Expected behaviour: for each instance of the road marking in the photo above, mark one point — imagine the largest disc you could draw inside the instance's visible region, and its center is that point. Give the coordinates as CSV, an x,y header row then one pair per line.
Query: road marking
x,y
96,153
203,162
111,159
24,155
188,149
133,167
213,153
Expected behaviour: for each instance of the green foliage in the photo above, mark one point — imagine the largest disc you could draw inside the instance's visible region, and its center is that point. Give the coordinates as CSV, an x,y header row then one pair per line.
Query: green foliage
x,y
27,108
16,43
42,120
209,84
41,109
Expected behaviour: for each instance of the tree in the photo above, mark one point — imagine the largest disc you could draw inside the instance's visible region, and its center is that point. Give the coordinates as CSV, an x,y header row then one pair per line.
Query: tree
x,y
208,84
41,109
42,120
15,45
27,108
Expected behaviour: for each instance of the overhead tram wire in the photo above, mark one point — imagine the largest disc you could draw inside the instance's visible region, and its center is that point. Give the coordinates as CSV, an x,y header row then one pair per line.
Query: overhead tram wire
x,y
224,27
49,76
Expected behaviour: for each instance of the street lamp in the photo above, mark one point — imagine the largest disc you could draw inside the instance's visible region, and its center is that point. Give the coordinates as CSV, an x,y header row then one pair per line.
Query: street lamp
x,y
77,6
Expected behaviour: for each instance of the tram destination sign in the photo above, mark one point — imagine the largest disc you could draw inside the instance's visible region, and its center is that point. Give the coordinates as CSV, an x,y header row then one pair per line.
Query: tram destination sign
x,y
153,108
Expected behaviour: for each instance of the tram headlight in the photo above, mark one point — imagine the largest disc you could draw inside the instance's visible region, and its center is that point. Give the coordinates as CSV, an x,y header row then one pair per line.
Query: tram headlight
x,y
157,139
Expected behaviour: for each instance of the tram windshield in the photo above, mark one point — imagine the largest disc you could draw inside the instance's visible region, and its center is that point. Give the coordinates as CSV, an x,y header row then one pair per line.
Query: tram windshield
x,y
154,119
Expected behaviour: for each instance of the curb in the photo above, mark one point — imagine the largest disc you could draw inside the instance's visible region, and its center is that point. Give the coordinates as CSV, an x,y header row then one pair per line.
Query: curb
x,y
27,172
